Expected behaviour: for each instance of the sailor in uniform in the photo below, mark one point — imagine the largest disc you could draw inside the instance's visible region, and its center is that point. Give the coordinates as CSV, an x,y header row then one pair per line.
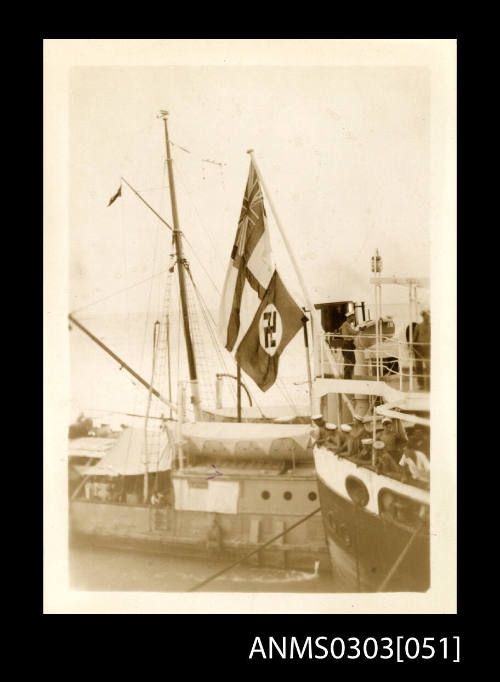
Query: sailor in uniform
x,y
422,350
391,439
319,431
348,331
345,440
358,432
332,440
384,463
415,461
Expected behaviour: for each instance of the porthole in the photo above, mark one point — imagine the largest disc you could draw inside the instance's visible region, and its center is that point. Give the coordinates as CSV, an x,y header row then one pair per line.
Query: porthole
x,y
332,524
265,494
312,496
287,495
357,491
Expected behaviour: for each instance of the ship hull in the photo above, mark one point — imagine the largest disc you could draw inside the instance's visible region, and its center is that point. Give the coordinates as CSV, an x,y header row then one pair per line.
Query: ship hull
x,y
366,547
184,532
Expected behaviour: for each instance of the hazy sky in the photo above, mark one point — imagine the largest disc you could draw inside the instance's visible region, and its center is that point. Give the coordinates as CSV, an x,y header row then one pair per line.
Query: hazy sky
x,y
344,151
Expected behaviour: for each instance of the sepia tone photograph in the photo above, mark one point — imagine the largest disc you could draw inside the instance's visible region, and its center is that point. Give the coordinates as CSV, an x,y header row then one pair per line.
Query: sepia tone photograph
x,y
246,246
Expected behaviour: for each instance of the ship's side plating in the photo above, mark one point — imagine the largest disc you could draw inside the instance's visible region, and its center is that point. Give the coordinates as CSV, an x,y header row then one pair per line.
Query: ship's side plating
x,y
365,535
376,519
264,506
255,481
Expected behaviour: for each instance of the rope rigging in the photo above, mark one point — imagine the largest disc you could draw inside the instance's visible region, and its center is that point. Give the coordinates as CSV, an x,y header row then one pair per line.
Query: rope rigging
x,y
205,311
211,326
120,291
202,224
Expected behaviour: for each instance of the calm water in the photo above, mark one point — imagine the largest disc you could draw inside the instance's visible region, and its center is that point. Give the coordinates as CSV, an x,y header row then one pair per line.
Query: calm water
x,y
97,569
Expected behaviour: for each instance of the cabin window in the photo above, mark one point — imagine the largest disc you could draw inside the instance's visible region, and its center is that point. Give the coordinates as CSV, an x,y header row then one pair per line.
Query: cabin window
x,y
401,509
287,495
312,496
265,494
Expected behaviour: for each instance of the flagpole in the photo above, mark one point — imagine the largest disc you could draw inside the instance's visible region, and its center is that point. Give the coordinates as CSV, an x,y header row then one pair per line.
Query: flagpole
x,y
308,362
283,234
238,389
310,305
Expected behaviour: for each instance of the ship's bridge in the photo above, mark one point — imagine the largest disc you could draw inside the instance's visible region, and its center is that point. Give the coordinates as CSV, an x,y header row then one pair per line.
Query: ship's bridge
x,y
380,358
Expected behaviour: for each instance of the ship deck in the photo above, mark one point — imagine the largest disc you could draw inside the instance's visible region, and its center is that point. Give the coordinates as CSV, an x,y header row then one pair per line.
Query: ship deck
x,y
249,470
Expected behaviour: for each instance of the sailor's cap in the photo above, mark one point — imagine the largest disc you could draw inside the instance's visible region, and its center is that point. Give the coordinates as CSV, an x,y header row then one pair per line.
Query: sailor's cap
x,y
378,445
346,428
367,441
330,427
386,420
317,417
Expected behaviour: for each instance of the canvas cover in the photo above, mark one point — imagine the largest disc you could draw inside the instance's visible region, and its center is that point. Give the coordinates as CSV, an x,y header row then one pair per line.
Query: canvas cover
x,y
127,456
231,434
90,446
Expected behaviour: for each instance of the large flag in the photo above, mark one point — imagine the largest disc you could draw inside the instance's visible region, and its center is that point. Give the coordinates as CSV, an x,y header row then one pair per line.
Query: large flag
x,y
258,317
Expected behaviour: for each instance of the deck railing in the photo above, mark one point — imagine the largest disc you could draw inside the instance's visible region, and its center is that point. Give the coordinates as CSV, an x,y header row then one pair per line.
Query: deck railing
x,y
385,358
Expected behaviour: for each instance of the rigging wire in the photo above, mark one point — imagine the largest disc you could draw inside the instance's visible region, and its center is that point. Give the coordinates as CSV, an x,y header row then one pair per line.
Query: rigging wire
x,y
201,264
213,335
124,251
137,389
204,308
190,196
286,395
280,385
179,316
215,340
120,291
148,310
212,161
124,242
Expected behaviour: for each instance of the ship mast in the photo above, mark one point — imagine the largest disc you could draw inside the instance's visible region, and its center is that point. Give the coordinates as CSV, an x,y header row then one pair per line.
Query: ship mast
x,y
177,239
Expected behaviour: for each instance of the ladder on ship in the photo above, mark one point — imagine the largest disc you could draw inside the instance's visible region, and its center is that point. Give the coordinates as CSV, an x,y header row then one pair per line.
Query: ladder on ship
x,y
161,377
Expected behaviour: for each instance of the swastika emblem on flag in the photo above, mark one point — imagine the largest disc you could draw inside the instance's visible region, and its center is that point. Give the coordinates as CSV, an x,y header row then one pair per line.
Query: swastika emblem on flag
x,y
270,329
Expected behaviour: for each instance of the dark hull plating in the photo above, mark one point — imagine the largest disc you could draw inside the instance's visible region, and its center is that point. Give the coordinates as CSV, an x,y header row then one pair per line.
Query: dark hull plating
x,y
364,547
184,533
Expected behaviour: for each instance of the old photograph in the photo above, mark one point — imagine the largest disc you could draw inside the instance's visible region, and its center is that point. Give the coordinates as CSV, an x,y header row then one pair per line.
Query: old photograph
x,y
247,243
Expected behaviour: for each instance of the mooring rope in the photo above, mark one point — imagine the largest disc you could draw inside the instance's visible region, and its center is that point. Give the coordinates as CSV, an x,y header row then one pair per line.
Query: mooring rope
x,y
247,556
400,558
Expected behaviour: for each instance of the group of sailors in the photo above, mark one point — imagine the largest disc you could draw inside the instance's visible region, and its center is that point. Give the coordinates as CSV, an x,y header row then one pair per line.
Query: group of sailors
x,y
391,451
105,490
110,489
420,347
